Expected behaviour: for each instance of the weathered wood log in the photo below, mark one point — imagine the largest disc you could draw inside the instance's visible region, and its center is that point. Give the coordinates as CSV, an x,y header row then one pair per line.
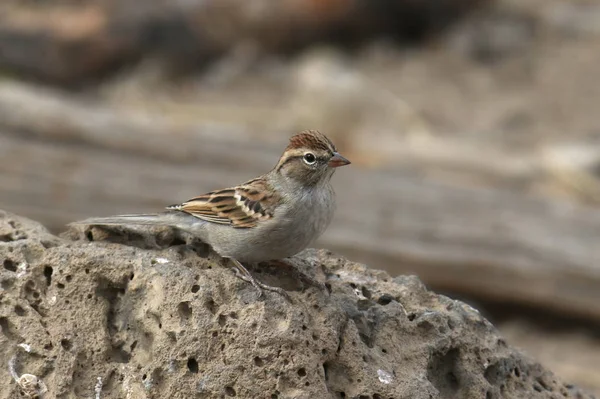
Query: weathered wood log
x,y
73,43
61,161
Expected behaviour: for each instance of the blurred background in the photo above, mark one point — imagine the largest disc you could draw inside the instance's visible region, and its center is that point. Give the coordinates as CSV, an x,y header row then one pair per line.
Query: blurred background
x,y
473,127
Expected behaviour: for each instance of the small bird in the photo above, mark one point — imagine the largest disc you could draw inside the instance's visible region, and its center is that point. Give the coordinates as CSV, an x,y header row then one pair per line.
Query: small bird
x,y
271,217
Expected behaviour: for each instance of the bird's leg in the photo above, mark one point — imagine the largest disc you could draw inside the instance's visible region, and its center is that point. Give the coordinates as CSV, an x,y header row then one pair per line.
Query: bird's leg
x,y
243,273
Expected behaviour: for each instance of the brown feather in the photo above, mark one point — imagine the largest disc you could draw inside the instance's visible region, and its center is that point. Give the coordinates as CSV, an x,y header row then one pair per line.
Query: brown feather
x,y
311,140
242,207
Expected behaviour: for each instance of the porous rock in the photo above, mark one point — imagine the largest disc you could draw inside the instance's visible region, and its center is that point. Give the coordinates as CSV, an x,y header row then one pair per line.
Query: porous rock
x,y
160,319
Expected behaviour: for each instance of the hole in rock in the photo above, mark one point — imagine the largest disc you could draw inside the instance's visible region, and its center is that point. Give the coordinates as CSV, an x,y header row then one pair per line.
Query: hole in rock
x,y
230,391
10,265
118,355
517,372
112,293
6,328
258,361
66,344
385,299
133,346
19,310
195,288
184,310
302,372
366,293
177,241
6,284
211,306
452,381
442,372
48,274
192,365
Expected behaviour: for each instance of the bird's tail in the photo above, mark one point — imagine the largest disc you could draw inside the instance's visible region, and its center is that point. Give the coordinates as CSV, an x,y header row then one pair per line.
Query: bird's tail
x,y
148,219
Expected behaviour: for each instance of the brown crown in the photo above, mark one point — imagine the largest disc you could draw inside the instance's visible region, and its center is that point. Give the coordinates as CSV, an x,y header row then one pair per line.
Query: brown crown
x,y
311,139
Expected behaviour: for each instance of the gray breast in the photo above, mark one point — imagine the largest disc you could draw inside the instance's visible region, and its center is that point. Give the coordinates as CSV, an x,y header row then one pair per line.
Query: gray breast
x,y
295,226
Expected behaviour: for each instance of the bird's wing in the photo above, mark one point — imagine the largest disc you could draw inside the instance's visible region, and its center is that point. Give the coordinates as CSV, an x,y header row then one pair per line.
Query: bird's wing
x,y
243,206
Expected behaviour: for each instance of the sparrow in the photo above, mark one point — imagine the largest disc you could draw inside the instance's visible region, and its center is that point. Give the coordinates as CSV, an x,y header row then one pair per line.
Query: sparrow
x,y
271,217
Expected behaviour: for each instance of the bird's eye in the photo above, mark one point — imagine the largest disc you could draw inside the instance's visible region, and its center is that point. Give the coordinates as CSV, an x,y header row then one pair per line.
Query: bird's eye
x,y
310,158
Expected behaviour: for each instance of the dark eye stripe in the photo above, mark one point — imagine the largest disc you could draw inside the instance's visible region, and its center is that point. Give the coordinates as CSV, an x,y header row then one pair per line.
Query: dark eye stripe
x,y
288,160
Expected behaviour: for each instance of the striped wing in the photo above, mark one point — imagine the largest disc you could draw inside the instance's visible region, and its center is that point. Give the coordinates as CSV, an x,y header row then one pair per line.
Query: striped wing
x,y
242,207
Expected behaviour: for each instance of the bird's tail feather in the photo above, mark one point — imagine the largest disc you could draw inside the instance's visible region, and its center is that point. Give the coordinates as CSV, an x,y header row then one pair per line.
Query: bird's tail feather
x,y
149,219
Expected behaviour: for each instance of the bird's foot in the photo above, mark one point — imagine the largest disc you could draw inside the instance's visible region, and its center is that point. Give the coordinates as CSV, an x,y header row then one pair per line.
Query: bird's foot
x,y
242,273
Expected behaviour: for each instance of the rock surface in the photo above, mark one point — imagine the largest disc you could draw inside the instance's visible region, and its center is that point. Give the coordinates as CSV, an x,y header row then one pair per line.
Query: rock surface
x,y
92,317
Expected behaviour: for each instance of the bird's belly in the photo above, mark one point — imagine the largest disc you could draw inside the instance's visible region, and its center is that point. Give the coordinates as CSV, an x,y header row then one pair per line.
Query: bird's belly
x,y
278,243
276,239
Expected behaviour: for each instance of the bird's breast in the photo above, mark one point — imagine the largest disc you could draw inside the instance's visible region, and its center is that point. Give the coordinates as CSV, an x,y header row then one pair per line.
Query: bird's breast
x,y
310,214
297,223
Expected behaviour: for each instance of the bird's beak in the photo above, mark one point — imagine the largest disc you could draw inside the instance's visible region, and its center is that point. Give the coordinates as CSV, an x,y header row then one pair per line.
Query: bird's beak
x,y
337,160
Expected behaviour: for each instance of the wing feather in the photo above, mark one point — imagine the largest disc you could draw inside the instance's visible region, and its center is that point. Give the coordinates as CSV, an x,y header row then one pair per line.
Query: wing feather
x,y
242,207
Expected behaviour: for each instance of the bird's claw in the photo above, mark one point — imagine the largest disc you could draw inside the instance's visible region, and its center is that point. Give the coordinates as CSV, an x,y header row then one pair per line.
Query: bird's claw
x,y
242,273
